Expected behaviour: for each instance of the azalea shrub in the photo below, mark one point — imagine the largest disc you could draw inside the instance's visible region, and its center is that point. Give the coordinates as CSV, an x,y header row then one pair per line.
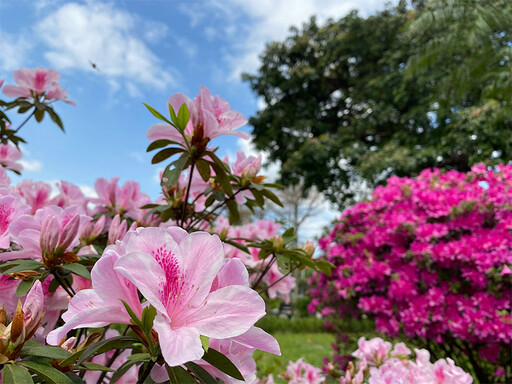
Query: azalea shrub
x,y
377,361
429,258
123,288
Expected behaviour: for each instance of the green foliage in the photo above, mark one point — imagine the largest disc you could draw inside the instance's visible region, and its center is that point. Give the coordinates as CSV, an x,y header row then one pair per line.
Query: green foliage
x,y
394,93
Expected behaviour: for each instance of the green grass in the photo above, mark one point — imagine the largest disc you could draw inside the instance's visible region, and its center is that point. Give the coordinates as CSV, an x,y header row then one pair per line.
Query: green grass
x,y
312,347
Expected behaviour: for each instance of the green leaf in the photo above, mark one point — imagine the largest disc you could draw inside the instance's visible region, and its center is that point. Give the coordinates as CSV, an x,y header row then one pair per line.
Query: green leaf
x,y
157,114
204,169
222,363
164,154
324,266
157,144
78,269
122,370
223,179
173,175
148,316
23,287
238,245
132,314
205,341
271,185
39,115
178,375
25,265
74,378
95,367
149,206
201,373
33,348
47,373
183,117
55,118
118,342
12,374
234,214
270,195
258,196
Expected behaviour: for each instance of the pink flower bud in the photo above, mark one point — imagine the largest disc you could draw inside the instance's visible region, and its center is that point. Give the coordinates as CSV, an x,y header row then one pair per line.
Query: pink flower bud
x,y
49,237
69,232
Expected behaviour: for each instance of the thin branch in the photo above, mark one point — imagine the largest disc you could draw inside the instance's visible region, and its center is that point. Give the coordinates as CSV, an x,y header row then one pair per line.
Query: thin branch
x,y
278,280
27,119
184,210
264,271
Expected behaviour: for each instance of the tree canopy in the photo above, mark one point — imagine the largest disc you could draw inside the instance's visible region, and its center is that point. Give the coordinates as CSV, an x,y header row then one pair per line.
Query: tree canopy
x,y
411,87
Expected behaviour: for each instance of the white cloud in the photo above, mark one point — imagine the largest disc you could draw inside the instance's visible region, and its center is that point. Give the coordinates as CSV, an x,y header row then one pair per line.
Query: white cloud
x,y
78,34
138,157
31,165
268,20
13,51
88,191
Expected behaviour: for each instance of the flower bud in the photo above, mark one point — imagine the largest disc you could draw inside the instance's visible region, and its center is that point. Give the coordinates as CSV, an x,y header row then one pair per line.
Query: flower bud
x,y
17,324
3,316
69,232
309,248
278,243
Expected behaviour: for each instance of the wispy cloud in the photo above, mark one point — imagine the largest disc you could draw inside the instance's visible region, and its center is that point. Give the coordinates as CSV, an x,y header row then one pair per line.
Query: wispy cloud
x,y
13,51
250,24
78,34
31,165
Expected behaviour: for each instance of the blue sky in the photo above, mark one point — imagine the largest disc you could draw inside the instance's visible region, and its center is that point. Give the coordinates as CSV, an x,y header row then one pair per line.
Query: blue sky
x,y
145,50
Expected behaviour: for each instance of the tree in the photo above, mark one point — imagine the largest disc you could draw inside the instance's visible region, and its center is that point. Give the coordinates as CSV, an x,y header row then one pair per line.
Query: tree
x,y
367,98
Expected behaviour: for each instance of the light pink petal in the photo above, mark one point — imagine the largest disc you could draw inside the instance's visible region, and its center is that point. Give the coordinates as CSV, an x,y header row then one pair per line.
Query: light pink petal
x,y
146,274
177,100
259,339
228,312
203,255
113,287
162,131
24,77
91,318
153,241
159,373
178,345
177,233
13,91
231,120
233,272
211,125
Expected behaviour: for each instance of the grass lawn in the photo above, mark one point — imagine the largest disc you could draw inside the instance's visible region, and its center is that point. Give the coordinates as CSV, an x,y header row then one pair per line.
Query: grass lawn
x,y
312,347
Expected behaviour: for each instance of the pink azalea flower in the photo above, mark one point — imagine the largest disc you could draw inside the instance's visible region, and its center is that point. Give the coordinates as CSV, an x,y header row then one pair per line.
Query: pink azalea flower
x,y
35,194
37,82
50,232
175,274
300,372
505,271
10,209
174,271
212,115
8,157
247,167
126,199
101,305
8,299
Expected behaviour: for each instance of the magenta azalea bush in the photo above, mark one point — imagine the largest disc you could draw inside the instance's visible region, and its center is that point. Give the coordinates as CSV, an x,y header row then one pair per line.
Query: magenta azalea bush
x,y
121,288
429,258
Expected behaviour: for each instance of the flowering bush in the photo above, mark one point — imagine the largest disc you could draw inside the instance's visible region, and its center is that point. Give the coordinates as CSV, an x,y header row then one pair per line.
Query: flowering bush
x,y
120,288
379,362
429,257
